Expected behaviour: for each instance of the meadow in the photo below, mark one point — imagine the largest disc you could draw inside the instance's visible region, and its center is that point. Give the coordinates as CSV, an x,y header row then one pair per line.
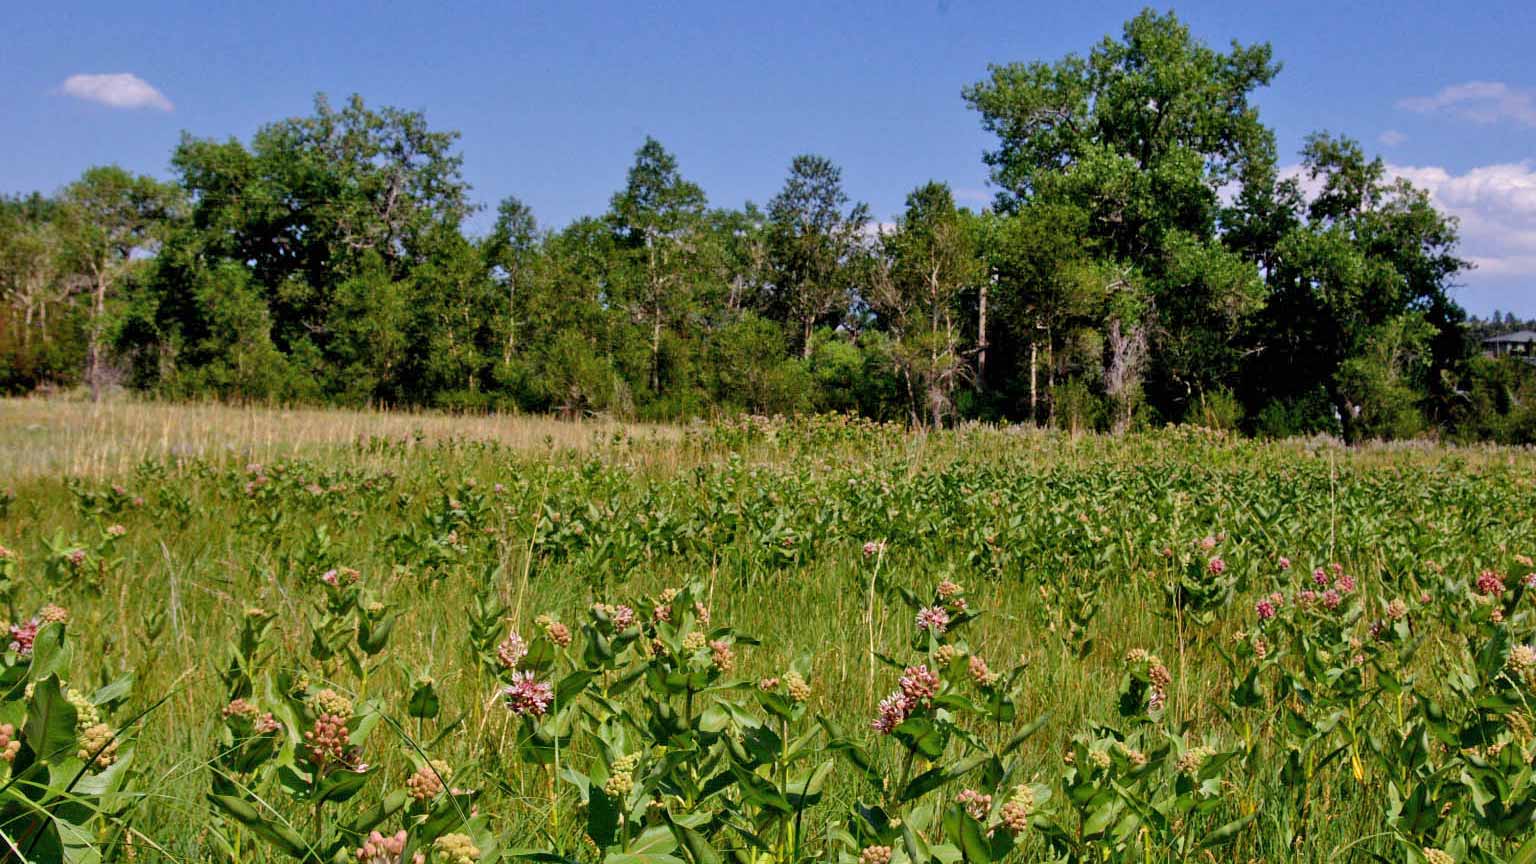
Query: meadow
x,y
244,635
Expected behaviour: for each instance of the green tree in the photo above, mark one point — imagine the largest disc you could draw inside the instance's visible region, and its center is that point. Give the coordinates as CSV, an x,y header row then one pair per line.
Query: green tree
x,y
658,222
113,219
813,244
931,258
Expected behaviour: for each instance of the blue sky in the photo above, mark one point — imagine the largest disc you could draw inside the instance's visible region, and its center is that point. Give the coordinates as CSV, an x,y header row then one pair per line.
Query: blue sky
x,y
553,98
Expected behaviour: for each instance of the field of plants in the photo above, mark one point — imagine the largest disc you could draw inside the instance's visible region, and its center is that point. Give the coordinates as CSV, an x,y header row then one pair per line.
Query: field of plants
x,y
429,641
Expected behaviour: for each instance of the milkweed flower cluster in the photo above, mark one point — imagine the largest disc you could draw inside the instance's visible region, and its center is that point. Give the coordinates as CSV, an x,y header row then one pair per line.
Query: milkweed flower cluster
x,y
98,745
328,742
875,855
1489,584
621,616
694,641
1192,760
51,614
798,688
983,676
427,782
1015,812
721,657
933,619
553,630
378,849
871,549
527,696
1216,566
455,849
22,636
511,651
976,805
621,777
10,745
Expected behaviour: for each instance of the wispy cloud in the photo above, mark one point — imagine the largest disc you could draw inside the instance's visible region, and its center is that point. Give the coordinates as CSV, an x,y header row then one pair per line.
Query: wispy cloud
x,y
1391,138
1479,102
117,90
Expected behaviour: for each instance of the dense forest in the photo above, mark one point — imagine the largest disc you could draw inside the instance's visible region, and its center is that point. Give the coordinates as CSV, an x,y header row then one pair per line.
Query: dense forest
x,y
1146,260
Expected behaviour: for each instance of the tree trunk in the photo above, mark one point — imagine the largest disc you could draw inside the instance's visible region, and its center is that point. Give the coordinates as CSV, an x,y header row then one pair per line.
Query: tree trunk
x,y
93,353
1034,379
981,341
805,350
656,354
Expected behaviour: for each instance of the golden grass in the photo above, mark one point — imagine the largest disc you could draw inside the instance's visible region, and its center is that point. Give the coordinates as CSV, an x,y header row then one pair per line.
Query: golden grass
x,y
49,437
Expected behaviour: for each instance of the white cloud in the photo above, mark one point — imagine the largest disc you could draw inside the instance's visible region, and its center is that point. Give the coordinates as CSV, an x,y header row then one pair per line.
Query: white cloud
x,y
1479,102
119,90
1391,138
1495,204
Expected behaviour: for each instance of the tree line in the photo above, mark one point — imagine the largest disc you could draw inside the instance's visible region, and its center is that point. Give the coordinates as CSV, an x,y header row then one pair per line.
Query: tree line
x,y
1146,260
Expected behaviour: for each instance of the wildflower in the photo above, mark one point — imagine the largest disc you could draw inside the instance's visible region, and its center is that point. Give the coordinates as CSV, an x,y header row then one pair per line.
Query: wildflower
x,y
1437,856
1425,598
50,614
976,805
427,782
328,741
1320,578
1529,580
1264,609
1208,543
1489,584
1192,760
116,530
553,630
1100,758
511,651
948,589
1136,655
455,849
799,690
22,636
242,709
527,696
1332,599
871,549
75,557
892,710
933,619
1345,584
1216,566
701,613
379,849
1157,673
944,655
267,724
1397,609
1132,755
621,778
1016,810
768,684
10,744
1522,658
919,685
330,702
1260,648
1285,563
720,655
6,554
977,667
875,855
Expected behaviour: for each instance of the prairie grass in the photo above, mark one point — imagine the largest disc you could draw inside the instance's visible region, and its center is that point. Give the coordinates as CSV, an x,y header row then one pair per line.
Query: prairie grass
x,y
1031,522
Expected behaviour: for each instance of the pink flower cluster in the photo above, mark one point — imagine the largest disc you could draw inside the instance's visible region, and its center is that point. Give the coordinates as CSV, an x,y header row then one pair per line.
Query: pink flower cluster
x,y
1489,584
22,636
933,619
527,696
918,687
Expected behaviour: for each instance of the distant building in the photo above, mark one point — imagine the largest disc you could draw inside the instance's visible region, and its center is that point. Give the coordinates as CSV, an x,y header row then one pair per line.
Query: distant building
x,y
1521,343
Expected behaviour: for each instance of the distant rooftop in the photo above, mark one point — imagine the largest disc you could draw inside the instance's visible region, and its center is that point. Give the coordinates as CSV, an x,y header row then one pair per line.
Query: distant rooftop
x,y
1519,337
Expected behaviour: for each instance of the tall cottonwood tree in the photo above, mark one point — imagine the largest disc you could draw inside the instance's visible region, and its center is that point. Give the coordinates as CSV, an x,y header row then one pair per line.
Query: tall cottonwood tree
x,y
813,243
112,219
658,223
931,258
